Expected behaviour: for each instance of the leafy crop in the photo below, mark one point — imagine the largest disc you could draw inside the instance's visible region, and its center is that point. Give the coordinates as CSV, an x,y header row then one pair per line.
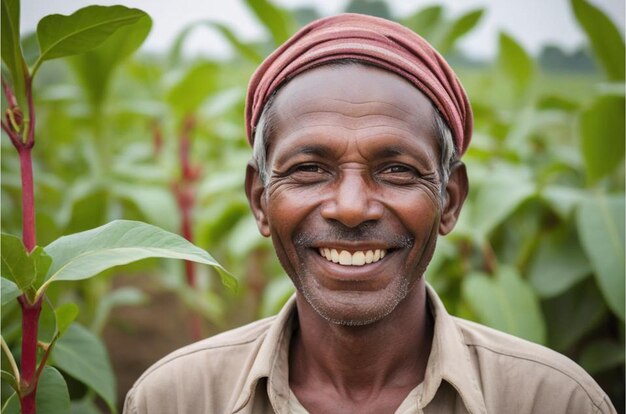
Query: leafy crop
x,y
125,136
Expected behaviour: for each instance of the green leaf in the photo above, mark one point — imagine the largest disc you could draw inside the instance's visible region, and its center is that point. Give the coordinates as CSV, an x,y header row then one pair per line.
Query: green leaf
x,y
505,302
12,55
605,38
602,355
602,136
52,394
84,30
458,29
42,263
425,21
573,314
559,264
497,198
277,21
9,379
197,84
95,67
242,48
600,223
12,405
563,200
83,356
65,315
17,265
10,291
85,406
515,63
156,203
122,296
85,254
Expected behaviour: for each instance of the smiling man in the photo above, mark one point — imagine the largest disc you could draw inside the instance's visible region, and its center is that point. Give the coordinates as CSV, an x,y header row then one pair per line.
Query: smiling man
x,y
358,127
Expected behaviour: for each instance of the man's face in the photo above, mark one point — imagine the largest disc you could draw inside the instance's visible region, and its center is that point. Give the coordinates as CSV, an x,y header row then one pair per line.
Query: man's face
x,y
353,201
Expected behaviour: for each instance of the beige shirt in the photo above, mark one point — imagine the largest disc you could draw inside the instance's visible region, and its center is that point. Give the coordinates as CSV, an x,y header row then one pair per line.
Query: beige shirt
x,y
471,369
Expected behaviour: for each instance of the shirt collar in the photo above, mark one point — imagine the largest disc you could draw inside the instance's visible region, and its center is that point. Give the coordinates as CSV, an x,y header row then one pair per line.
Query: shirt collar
x,y
449,361
271,360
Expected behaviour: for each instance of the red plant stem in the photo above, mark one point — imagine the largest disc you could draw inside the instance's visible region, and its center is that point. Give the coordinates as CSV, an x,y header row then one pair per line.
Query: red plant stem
x,y
186,198
30,324
28,198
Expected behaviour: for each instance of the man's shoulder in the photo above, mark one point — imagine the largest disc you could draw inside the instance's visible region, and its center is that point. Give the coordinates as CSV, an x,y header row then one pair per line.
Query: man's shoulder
x,y
511,359
242,339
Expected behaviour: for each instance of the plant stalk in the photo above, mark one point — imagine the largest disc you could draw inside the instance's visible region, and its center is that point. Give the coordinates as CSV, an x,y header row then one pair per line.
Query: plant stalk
x,y
28,198
30,325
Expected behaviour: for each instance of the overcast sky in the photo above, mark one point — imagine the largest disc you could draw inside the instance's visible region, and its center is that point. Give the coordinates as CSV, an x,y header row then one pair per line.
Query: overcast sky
x,y
533,22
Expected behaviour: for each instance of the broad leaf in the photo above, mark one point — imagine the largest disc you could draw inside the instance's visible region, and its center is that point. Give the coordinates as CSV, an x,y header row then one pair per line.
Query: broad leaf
x,y
496,199
120,297
156,203
83,255
10,291
560,263
11,48
276,20
602,136
563,200
242,48
601,230
378,8
425,21
95,67
458,29
197,84
605,38
65,315
17,265
9,379
602,355
84,30
11,405
515,63
573,314
505,302
83,356
52,394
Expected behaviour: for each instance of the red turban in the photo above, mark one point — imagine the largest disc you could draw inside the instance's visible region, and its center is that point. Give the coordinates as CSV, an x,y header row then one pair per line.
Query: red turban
x,y
381,42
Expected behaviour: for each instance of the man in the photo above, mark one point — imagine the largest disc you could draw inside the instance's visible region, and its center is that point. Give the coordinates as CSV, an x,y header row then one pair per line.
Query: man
x,y
358,126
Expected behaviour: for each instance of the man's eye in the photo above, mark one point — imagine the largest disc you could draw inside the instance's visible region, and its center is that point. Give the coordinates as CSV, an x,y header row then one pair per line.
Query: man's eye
x,y
309,168
399,169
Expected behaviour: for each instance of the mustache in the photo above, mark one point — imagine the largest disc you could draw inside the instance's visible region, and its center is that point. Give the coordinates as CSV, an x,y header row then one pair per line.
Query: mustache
x,y
362,233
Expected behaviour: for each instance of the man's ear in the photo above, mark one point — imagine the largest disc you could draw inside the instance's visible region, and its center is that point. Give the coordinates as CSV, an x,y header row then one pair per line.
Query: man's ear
x,y
456,191
255,192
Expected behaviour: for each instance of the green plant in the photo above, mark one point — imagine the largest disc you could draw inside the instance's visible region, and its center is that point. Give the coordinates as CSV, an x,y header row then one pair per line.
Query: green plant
x,y
29,270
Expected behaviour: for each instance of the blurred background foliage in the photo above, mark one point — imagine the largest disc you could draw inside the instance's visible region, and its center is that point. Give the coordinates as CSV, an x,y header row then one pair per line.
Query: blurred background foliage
x,y
538,252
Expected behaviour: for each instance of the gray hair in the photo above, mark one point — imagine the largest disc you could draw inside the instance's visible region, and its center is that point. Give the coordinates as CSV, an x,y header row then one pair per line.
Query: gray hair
x,y
264,128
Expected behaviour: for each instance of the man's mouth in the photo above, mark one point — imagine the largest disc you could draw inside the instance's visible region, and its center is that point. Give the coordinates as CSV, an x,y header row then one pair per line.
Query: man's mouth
x,y
356,258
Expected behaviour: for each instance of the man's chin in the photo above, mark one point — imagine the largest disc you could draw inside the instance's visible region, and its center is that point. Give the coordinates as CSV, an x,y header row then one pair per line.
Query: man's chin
x,y
350,308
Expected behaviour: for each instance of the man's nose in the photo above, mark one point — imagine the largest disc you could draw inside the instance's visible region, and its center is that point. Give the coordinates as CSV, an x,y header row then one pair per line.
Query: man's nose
x,y
351,202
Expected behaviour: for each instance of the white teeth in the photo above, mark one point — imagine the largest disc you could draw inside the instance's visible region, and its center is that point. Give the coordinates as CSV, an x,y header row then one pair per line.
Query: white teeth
x,y
358,258
376,255
345,258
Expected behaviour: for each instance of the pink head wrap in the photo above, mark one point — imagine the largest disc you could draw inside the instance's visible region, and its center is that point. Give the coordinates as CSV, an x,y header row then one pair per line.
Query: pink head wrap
x,y
381,42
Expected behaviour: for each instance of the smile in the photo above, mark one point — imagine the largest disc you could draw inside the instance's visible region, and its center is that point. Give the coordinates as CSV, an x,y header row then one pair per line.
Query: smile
x,y
358,258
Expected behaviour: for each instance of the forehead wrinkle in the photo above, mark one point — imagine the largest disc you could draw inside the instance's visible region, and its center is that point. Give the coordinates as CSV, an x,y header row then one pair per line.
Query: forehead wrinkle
x,y
367,102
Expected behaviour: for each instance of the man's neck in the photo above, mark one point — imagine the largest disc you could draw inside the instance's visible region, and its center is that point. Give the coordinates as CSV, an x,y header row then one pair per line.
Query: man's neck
x,y
363,360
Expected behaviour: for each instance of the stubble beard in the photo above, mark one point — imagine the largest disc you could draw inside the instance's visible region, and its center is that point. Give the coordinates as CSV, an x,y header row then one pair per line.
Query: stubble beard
x,y
382,307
